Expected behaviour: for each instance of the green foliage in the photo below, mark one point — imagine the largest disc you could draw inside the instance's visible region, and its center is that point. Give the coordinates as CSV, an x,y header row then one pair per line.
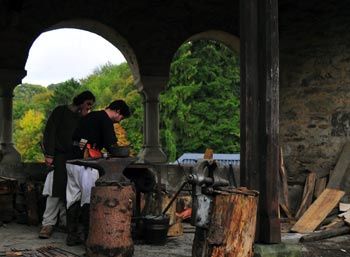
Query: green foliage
x,y
24,96
63,93
201,106
28,134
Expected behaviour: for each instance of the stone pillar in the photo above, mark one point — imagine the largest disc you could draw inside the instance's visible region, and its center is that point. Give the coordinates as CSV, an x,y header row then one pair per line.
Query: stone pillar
x,y
9,79
151,87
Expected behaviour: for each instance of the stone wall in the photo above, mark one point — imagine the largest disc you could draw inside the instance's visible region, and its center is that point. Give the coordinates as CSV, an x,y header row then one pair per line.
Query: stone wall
x,y
314,91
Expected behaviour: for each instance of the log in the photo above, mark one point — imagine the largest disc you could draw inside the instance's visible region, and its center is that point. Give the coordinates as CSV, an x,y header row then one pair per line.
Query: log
x,y
325,234
111,210
232,225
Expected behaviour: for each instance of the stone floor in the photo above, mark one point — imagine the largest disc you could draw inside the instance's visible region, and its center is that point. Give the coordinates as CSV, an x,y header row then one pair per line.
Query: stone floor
x,y
21,237
15,236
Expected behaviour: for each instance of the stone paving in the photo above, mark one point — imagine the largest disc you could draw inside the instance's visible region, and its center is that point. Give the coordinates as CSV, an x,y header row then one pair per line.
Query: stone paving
x,y
21,237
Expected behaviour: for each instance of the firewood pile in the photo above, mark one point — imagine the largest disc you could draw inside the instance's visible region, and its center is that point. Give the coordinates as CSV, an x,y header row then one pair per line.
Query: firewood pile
x,y
21,201
321,213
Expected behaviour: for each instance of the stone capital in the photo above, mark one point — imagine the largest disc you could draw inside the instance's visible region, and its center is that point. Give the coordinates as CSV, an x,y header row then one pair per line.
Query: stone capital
x,y
152,86
9,79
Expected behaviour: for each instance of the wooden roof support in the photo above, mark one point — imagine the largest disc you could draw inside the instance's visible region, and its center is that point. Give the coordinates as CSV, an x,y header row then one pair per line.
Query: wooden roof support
x,y
260,110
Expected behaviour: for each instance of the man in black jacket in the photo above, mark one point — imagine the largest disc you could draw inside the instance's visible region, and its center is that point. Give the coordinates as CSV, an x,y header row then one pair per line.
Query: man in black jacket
x,y
97,131
57,143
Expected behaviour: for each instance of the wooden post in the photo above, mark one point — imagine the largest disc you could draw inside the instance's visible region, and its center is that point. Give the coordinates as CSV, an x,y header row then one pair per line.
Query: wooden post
x,y
110,221
232,226
260,110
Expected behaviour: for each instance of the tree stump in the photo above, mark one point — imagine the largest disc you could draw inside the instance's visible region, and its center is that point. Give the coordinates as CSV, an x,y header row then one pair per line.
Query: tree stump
x,y
111,211
232,226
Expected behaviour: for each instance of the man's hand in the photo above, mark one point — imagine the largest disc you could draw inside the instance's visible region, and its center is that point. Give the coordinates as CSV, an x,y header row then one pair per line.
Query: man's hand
x,y
48,161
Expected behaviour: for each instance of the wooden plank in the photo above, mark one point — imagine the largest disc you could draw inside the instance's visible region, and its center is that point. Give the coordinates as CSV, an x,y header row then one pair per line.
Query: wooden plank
x,y
283,176
318,211
208,155
340,169
307,194
321,184
344,207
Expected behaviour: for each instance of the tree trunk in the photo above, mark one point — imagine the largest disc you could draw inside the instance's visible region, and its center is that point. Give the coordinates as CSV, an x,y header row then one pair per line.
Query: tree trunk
x,y
110,221
232,226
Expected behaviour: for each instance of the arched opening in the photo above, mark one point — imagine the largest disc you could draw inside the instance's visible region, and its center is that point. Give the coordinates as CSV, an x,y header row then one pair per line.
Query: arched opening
x,y
108,78
201,107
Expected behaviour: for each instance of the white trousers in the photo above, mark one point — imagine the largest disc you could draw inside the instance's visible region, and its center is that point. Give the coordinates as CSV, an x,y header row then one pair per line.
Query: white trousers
x,y
80,180
55,207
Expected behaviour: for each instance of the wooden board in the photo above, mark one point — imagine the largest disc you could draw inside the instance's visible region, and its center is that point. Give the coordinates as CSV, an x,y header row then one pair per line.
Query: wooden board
x,y
307,195
340,169
318,211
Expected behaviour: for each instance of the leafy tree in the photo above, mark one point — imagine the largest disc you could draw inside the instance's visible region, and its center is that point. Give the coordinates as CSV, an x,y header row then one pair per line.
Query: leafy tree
x,y
28,135
200,108
111,82
63,93
23,98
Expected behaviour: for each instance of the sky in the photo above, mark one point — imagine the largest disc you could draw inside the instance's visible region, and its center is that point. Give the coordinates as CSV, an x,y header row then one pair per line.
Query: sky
x,y
59,55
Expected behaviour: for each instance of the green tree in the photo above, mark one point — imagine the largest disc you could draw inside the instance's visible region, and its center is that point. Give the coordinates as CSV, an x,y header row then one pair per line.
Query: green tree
x,y
200,109
63,93
23,99
28,135
110,82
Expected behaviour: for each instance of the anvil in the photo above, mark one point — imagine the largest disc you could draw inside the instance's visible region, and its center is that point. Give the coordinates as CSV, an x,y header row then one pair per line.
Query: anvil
x,y
110,169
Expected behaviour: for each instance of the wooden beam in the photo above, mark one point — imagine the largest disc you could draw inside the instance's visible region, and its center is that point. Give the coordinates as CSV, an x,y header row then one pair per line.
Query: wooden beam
x,y
340,169
260,111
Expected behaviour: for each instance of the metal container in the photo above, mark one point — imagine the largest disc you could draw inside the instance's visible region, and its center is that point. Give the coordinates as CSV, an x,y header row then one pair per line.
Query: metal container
x,y
156,229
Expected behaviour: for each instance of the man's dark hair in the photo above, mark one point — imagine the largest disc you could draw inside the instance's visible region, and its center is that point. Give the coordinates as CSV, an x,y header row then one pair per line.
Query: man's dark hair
x,y
83,96
121,106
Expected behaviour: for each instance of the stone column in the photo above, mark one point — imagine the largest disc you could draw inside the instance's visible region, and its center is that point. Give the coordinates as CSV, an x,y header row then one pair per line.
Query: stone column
x,y
9,79
151,87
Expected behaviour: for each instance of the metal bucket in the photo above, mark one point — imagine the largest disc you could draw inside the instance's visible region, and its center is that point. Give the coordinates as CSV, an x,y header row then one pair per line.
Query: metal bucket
x,y
156,229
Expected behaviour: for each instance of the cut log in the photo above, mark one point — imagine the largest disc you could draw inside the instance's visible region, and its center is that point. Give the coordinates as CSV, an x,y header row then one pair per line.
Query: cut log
x,y
307,195
232,225
325,234
340,169
318,211
110,221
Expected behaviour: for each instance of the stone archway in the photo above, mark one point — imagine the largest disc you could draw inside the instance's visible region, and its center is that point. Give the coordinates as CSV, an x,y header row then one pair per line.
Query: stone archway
x,y
107,33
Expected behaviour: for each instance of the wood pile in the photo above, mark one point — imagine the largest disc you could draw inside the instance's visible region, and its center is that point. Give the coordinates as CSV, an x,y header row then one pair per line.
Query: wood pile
x,y
321,213
8,189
